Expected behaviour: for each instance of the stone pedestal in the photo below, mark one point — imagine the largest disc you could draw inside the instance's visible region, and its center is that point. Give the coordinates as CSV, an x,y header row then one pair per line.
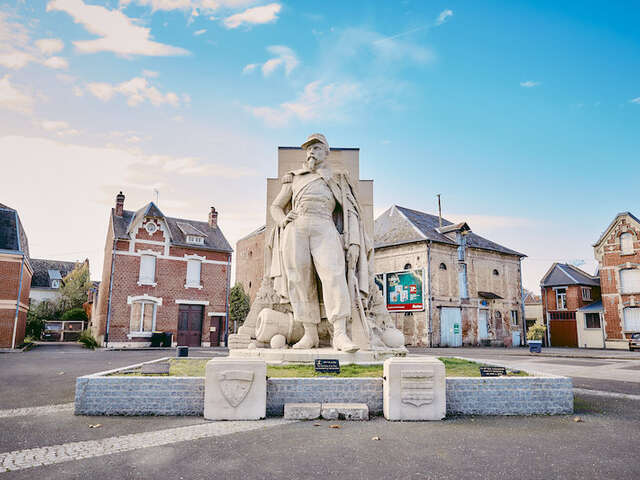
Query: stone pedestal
x,y
235,389
283,356
414,389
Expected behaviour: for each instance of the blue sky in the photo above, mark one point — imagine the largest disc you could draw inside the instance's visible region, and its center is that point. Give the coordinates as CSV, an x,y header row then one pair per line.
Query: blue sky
x,y
523,115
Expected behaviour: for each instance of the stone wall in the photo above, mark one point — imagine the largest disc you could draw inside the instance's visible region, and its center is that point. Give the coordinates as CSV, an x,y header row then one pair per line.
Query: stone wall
x,y
323,390
250,262
509,396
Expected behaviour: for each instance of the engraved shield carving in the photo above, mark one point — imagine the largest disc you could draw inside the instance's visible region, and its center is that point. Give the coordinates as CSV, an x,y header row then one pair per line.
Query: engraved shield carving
x,y
417,387
235,385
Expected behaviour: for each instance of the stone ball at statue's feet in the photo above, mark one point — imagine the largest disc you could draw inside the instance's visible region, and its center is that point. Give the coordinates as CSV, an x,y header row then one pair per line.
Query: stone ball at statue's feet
x,y
251,346
393,338
278,341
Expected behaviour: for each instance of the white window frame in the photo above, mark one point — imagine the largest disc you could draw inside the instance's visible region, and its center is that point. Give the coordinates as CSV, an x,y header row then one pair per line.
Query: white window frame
x,y
141,332
194,261
145,281
151,228
562,296
624,289
624,320
55,283
629,244
195,239
586,293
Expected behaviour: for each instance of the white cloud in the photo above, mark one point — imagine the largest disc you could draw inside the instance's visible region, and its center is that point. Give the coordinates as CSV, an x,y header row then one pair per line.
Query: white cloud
x,y
15,60
255,15
444,15
52,125
636,100
118,33
250,68
150,73
49,46
56,62
137,91
200,32
206,6
318,100
11,98
529,84
352,41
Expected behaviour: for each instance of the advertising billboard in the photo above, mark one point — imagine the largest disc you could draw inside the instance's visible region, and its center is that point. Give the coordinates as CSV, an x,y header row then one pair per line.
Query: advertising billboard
x,y
404,291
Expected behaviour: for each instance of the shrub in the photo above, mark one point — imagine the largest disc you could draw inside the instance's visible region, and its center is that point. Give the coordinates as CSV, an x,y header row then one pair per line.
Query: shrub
x,y
536,332
87,340
77,314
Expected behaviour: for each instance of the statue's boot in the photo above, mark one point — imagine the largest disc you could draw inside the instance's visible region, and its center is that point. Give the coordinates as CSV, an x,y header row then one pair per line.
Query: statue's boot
x,y
309,339
341,340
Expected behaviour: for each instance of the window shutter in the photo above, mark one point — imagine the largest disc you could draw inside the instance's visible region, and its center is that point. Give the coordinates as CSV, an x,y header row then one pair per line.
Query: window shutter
x,y
147,319
147,268
632,319
134,322
626,243
630,280
193,273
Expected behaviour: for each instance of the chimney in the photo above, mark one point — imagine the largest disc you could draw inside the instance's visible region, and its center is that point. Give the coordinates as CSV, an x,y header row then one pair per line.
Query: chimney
x,y
213,218
119,204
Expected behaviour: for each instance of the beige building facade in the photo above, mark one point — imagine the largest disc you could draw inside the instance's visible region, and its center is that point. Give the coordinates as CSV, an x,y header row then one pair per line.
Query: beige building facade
x,y
472,287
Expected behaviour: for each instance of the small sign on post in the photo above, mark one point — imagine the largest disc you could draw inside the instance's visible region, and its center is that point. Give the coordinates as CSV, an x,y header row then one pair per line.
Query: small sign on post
x,y
493,371
326,365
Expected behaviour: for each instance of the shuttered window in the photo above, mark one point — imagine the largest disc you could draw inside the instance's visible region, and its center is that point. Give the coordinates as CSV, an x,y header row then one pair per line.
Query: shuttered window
x,y
632,319
147,269
630,280
193,273
626,243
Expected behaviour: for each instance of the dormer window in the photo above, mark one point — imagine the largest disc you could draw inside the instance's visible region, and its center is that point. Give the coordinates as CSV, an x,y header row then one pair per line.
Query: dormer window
x,y
55,283
195,239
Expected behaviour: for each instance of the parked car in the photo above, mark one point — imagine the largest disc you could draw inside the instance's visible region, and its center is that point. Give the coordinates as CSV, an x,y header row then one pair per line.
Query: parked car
x,y
634,342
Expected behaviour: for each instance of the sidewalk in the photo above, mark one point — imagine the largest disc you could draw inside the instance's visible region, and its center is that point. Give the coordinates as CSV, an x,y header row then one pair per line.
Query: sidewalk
x,y
556,352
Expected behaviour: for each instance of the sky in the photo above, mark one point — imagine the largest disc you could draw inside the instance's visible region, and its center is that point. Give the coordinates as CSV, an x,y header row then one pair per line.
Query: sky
x,y
524,116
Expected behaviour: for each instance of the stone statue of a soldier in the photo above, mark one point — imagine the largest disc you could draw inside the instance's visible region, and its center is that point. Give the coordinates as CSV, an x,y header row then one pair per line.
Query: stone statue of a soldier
x,y
319,235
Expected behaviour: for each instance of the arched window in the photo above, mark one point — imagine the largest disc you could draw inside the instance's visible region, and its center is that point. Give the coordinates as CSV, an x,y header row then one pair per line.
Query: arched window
x,y
496,272
626,243
443,266
407,266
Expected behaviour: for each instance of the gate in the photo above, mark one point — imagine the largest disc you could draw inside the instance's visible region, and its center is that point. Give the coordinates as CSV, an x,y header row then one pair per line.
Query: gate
x,y
190,325
450,327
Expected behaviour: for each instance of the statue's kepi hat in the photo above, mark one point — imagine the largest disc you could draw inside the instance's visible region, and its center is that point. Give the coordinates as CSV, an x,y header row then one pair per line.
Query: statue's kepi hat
x,y
315,138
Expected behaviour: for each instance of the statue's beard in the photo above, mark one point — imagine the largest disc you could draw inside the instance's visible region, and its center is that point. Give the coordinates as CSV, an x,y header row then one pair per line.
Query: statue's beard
x,y
313,163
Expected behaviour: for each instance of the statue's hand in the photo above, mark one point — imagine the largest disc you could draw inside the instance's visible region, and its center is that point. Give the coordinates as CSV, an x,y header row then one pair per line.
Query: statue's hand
x,y
352,256
291,216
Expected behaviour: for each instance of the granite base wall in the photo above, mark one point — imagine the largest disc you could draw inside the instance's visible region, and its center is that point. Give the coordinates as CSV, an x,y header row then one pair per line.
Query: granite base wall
x,y
112,395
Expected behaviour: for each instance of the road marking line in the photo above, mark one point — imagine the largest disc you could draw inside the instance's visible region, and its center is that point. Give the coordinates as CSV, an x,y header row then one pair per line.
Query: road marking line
x,y
35,457
43,410
600,393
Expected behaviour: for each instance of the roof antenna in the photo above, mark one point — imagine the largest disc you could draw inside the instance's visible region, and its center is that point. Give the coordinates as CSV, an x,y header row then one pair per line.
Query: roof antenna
x,y
157,192
439,211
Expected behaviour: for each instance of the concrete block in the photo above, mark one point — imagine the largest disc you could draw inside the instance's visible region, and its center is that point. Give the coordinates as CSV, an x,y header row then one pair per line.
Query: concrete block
x,y
235,389
345,411
414,389
302,411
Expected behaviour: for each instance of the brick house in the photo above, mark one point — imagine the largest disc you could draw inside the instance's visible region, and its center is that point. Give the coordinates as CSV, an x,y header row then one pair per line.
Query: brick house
x,y
566,289
15,278
471,287
162,274
618,254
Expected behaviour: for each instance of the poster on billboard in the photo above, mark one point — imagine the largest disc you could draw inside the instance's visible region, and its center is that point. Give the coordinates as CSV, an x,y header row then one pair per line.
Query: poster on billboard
x,y
404,292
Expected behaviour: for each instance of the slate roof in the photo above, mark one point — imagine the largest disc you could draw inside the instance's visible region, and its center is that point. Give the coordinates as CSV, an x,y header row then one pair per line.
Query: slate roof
x,y
427,226
257,231
564,274
44,271
592,307
214,238
12,235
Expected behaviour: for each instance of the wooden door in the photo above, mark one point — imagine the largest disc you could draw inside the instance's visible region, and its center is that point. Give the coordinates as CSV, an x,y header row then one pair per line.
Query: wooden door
x,y
214,331
190,325
563,333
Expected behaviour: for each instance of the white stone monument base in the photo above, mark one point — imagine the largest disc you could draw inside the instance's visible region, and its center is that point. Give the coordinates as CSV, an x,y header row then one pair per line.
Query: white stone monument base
x,y
414,389
283,356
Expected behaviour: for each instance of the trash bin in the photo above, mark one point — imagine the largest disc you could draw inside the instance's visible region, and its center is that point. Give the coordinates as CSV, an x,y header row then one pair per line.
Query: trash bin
x,y
166,341
157,338
183,351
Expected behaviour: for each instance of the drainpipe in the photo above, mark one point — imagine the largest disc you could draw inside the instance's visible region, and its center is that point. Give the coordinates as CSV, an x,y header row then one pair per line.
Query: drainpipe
x,y
524,320
429,319
113,259
226,320
15,319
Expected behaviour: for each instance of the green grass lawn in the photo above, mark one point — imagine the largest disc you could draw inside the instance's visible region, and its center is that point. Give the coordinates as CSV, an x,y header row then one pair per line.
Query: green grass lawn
x,y
455,367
